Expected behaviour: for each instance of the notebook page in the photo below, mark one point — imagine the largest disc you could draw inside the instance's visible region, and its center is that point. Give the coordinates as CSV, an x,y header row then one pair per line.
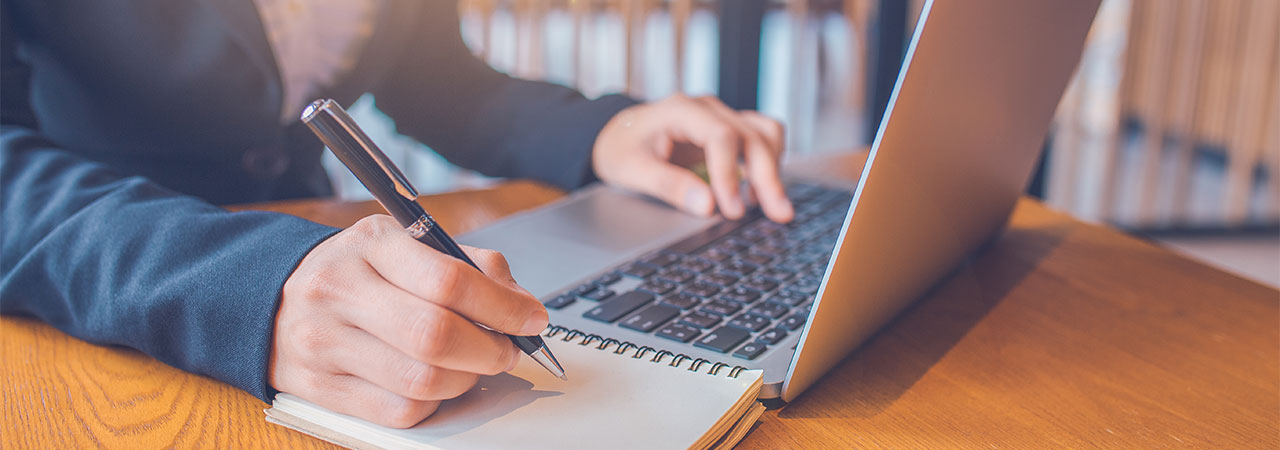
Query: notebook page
x,y
610,400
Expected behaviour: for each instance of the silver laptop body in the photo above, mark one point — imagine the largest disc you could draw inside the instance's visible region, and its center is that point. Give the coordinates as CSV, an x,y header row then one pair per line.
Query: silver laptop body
x,y
966,121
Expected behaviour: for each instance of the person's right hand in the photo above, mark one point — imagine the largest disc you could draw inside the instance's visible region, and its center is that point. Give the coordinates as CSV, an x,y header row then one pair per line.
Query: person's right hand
x,y
379,326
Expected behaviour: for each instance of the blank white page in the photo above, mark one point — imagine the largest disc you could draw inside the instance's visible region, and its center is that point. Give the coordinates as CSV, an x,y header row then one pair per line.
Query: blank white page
x,y
610,401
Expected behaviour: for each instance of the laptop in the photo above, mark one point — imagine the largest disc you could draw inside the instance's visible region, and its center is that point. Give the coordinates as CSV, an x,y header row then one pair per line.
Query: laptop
x,y
958,143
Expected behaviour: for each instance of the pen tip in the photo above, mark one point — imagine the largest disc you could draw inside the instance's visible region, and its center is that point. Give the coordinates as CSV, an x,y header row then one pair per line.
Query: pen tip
x,y
544,358
562,377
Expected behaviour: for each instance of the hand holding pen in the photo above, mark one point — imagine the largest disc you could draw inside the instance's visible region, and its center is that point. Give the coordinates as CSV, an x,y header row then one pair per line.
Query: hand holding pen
x,y
383,179
373,324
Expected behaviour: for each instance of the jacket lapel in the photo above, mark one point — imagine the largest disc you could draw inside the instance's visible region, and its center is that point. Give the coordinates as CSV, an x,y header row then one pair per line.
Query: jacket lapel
x,y
245,27
394,25
393,30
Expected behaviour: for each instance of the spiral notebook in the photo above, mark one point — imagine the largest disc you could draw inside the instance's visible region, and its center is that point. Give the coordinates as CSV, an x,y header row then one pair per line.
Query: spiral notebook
x,y
618,396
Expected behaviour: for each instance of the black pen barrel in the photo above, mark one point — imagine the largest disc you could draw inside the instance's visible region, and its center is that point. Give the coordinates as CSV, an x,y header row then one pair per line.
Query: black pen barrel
x,y
367,162
527,344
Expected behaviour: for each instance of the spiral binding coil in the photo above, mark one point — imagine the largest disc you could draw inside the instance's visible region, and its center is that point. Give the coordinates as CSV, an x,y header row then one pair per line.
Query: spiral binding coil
x,y
639,351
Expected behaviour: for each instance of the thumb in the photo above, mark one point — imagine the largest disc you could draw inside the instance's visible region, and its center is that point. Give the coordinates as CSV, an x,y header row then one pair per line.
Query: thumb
x,y
673,184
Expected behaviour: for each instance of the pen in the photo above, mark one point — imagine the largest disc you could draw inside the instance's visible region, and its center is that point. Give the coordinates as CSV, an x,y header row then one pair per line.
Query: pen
x,y
348,142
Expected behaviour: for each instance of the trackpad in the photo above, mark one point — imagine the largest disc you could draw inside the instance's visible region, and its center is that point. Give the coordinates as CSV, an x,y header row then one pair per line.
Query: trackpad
x,y
551,247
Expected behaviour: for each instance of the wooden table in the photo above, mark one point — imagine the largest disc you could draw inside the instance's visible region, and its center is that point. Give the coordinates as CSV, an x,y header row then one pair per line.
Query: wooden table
x,y
1062,334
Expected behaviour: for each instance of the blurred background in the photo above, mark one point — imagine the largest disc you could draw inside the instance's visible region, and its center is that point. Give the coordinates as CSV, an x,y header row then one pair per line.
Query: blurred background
x,y
1170,129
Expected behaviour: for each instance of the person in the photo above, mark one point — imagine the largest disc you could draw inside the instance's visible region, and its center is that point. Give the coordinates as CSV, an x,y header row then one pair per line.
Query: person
x,y
125,124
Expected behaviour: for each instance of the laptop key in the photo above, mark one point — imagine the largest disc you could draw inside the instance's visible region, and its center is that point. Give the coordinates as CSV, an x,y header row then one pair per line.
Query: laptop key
x,y
583,290
613,309
696,265
742,299
721,278
701,319
750,321
599,294
813,278
771,310
760,284
773,336
774,275
770,247
658,287
649,318
559,302
702,289
739,267
678,332
639,271
608,279
716,254
723,339
750,351
741,295
804,289
730,248
682,300
794,321
792,266
789,298
721,307
676,275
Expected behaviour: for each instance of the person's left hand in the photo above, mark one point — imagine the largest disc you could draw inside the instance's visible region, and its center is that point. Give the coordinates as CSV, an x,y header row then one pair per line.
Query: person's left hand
x,y
649,147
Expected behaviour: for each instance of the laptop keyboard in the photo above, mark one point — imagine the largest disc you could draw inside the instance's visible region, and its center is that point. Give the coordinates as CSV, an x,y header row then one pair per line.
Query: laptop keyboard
x,y
737,287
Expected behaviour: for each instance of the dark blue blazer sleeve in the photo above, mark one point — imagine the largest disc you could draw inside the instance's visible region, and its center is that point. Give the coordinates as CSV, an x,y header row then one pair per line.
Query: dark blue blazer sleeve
x,y
487,121
119,260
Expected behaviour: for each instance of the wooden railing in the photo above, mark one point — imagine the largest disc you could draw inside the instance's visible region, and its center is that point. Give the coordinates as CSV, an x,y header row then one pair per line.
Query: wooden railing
x,y
1174,122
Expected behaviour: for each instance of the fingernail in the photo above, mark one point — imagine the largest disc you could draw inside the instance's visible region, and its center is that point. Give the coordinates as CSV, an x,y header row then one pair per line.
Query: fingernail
x,y
698,201
733,208
788,212
536,323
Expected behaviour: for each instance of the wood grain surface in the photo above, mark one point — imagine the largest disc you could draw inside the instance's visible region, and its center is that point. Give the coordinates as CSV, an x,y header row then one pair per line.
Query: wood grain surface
x,y
1060,334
